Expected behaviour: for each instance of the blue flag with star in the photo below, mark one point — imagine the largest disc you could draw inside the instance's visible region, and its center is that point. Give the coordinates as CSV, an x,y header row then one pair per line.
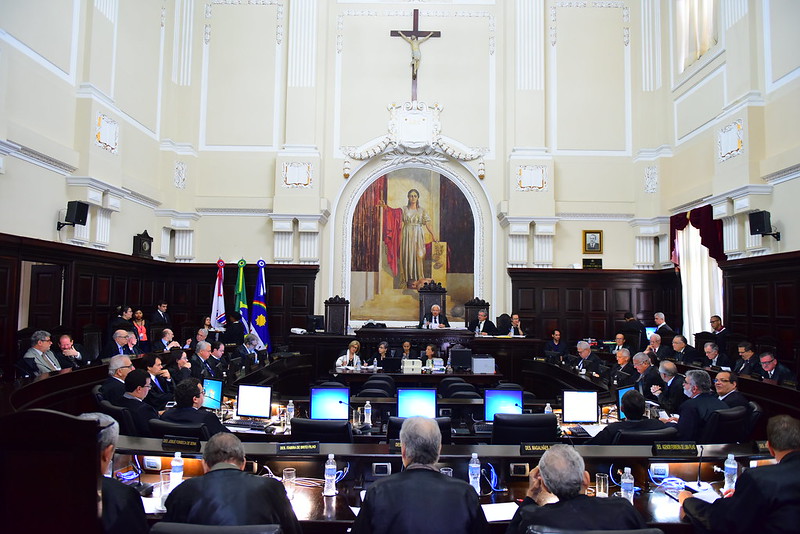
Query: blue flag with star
x,y
258,314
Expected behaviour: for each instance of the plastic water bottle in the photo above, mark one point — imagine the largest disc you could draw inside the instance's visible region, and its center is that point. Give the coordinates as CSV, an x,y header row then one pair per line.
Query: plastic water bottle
x,y
475,472
626,485
358,363
731,472
176,474
329,489
289,413
368,413
548,408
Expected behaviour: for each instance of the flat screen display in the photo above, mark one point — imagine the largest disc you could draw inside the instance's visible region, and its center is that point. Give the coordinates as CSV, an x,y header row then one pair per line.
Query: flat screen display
x,y
412,402
330,403
620,393
580,407
649,331
501,401
213,399
254,401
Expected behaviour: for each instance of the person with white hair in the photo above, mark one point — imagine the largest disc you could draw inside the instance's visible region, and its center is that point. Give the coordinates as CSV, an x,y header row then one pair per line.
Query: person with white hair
x,y
557,498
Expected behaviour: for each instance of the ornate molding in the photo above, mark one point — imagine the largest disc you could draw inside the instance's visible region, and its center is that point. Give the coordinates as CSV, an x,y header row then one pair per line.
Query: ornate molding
x,y
730,140
783,175
107,133
531,178
10,148
234,212
179,176
278,15
651,180
594,216
297,174
626,16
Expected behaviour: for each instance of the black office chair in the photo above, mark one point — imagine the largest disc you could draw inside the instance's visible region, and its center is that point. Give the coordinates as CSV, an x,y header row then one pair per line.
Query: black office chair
x,y
725,426
465,395
96,394
374,392
456,387
381,384
445,383
538,529
25,368
755,414
645,437
165,527
324,431
123,416
513,429
160,428
445,427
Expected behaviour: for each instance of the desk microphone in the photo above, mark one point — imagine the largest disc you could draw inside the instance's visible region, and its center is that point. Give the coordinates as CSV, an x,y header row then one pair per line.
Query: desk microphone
x,y
699,485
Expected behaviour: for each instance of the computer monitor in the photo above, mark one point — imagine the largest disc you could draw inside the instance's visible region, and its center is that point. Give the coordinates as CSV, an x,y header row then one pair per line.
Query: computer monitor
x,y
213,398
501,401
315,323
461,358
580,407
649,331
254,401
411,402
620,393
330,403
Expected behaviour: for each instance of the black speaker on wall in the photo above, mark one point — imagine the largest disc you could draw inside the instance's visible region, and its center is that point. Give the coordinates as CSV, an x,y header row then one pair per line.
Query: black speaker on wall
x,y
761,224
77,212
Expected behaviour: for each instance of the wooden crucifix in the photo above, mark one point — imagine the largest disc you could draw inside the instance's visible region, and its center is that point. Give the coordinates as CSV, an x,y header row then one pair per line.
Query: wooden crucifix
x,y
415,37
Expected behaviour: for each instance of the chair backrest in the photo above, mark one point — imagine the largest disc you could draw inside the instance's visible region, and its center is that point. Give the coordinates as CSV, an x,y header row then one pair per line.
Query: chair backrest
x,y
539,529
444,383
123,416
92,338
165,527
645,437
755,414
725,426
96,393
373,392
464,395
335,431
160,428
457,386
380,384
513,429
445,427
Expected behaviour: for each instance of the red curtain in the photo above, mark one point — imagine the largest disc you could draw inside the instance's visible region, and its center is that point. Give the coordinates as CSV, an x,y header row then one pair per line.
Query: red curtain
x,y
710,231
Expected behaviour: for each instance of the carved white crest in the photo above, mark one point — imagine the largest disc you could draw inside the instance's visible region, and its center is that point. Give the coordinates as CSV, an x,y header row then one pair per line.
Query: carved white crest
x,y
297,174
180,175
531,178
651,180
107,133
730,140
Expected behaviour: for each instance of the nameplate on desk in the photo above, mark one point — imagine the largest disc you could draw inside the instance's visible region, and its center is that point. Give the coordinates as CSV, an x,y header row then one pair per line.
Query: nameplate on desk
x,y
534,449
761,447
180,443
394,445
674,448
298,447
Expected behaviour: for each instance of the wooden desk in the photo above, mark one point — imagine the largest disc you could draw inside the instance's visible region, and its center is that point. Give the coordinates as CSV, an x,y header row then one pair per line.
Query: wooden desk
x,y
349,377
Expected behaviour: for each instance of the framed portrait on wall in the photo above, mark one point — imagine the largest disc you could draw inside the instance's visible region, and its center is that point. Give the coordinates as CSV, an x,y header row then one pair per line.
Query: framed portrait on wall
x,y
592,241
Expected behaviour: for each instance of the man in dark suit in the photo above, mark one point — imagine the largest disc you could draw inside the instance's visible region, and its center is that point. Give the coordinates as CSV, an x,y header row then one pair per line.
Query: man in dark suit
x,y
766,499
634,332
663,329
160,315
189,397
696,410
714,357
137,386
588,361
234,329
247,352
516,326
180,368
685,353
201,365
623,373
117,345
449,505
670,396
725,383
226,495
748,363
434,319
561,476
69,354
201,335
774,372
658,350
622,343
648,376
163,389
123,512
720,333
483,326
167,341
113,388
633,406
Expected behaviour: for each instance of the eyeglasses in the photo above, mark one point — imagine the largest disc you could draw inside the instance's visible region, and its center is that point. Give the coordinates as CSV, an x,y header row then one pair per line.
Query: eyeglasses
x,y
202,391
721,380
148,386
767,362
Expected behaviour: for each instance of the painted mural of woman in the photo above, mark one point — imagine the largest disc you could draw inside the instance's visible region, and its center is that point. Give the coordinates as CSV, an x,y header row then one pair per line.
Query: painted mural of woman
x,y
404,237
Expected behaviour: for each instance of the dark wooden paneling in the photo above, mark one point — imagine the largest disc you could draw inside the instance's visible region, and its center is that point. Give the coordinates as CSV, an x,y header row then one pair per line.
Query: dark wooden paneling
x,y
526,298
103,291
623,300
598,301
275,295
549,300
299,296
573,300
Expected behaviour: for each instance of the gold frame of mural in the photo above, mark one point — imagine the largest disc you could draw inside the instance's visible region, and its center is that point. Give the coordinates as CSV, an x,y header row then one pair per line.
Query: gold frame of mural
x,y
587,249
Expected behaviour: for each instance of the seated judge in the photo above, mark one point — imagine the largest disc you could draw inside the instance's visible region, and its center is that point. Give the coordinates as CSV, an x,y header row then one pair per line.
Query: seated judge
x,y
227,495
621,343
201,335
588,361
70,354
775,373
696,410
658,351
202,366
670,396
483,326
748,363
557,498
113,388
350,358
765,499
430,354
218,359
117,345
516,326
440,504
434,319
555,344
623,373
167,341
684,353
180,369
123,512
133,343
247,352
648,376
137,387
725,384
714,358
189,398
40,354
382,354
163,389
632,405
407,352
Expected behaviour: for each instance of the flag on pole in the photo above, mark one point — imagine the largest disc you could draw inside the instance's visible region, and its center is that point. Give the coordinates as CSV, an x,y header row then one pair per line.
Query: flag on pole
x,y
218,307
241,297
258,325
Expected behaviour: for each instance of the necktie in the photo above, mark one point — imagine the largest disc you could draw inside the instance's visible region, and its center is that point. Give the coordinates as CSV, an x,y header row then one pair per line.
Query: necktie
x,y
122,350
157,385
52,363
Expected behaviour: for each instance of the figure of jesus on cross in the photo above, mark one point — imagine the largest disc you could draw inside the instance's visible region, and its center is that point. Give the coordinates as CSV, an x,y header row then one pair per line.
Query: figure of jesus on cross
x,y
415,37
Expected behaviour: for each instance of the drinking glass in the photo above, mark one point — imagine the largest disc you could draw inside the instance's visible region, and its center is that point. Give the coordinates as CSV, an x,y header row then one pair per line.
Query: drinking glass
x,y
289,478
601,485
446,471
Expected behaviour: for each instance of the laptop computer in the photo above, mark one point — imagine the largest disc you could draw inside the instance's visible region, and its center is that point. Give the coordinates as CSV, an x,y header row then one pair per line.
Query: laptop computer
x,y
391,365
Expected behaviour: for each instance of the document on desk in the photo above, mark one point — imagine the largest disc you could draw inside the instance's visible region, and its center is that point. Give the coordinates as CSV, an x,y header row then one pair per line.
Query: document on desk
x,y
152,505
708,495
593,430
502,511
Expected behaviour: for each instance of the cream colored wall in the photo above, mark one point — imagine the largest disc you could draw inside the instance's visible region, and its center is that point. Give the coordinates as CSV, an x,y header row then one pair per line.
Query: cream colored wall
x,y
237,120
